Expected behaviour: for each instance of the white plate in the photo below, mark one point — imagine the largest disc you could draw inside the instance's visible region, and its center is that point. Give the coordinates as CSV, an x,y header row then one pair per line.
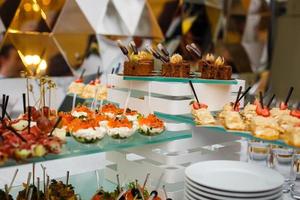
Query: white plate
x,y
219,197
234,176
190,183
192,197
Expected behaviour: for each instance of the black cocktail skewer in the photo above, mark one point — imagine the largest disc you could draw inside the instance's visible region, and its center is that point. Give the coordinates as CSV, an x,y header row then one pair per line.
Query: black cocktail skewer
x,y
237,97
17,134
5,110
261,99
194,91
24,102
289,95
55,125
270,101
246,91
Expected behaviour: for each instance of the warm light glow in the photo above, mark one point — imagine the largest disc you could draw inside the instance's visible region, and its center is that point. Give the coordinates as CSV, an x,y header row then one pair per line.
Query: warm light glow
x,y
41,70
36,7
27,7
46,2
32,59
36,59
43,65
28,59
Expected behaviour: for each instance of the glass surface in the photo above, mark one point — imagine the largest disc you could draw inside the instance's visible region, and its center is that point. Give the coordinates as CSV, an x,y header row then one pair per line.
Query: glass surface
x,y
245,134
180,80
73,148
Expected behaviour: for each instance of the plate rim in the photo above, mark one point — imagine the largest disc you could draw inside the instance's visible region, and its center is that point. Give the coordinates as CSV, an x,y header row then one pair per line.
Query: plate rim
x,y
237,194
220,197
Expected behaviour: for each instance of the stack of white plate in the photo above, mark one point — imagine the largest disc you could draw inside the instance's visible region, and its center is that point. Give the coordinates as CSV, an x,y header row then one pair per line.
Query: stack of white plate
x,y
232,180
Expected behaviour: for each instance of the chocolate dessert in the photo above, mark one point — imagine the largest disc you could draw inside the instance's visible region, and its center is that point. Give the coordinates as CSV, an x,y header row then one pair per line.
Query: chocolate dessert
x,y
212,68
141,64
177,67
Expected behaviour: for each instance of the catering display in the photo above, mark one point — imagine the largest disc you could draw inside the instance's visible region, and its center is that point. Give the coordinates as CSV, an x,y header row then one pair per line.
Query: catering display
x,y
257,119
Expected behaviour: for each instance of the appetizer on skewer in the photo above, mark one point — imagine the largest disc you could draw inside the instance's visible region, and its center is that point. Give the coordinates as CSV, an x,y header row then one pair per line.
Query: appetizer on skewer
x,y
201,113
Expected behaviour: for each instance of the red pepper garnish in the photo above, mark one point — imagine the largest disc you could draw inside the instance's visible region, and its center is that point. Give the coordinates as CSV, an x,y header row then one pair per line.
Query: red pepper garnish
x,y
295,113
92,83
262,111
79,80
197,105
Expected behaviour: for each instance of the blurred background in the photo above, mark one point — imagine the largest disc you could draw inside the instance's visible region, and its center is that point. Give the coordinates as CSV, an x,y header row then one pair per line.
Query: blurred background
x,y
259,38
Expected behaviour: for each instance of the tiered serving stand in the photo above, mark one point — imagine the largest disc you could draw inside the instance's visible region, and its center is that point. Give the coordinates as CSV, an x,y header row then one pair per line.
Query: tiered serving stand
x,y
171,152
169,98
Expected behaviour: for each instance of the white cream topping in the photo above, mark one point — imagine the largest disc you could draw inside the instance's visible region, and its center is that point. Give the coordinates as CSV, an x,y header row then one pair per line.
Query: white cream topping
x,y
132,117
79,114
60,133
123,132
146,128
90,133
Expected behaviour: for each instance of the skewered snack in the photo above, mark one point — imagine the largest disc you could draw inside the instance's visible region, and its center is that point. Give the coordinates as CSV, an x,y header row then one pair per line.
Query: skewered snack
x,y
94,90
150,125
176,67
202,115
58,190
141,64
212,68
249,112
103,195
120,128
76,87
265,127
4,196
23,195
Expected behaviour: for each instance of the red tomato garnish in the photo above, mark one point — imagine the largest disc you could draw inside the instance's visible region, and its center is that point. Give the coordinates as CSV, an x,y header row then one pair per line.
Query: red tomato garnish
x,y
262,111
97,81
283,106
197,105
92,82
79,81
295,113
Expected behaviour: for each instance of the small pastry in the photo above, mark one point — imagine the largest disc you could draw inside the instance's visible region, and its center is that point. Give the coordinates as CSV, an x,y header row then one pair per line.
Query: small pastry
x,y
266,128
293,135
234,121
76,87
202,115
